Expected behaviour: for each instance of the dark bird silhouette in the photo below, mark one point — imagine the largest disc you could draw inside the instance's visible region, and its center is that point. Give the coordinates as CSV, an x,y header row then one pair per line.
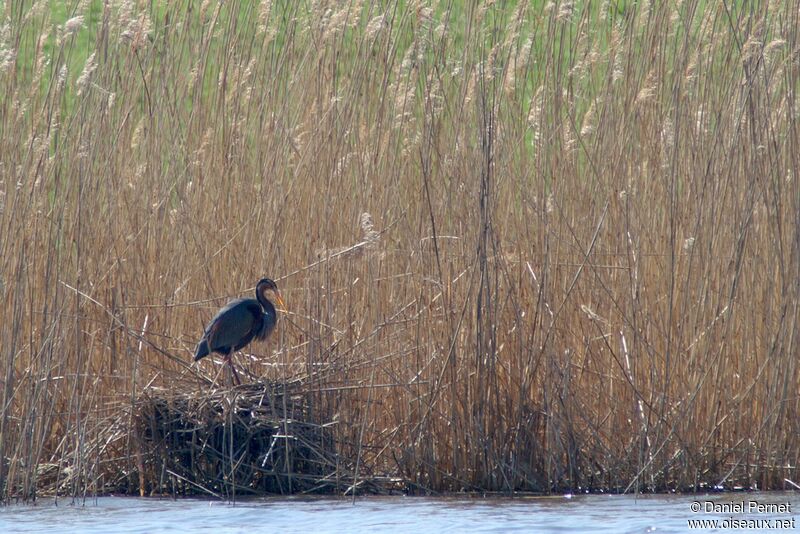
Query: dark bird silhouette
x,y
241,320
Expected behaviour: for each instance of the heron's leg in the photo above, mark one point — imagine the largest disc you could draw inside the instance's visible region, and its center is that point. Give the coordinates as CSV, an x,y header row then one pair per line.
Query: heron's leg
x,y
233,369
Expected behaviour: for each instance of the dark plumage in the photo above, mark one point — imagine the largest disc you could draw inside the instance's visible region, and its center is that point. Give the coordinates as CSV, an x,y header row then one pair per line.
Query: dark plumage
x,y
239,322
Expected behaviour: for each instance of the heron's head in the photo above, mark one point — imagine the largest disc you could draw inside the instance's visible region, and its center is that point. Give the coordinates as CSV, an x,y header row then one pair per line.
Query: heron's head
x,y
268,290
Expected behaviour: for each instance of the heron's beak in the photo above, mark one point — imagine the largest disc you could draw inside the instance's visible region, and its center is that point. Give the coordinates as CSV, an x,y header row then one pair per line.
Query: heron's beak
x,y
279,298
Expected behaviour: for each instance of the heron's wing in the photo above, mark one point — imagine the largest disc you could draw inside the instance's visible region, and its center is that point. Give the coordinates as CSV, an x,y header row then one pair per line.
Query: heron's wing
x,y
232,324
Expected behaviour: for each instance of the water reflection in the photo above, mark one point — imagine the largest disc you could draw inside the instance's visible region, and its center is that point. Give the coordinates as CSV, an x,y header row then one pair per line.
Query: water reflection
x,y
586,513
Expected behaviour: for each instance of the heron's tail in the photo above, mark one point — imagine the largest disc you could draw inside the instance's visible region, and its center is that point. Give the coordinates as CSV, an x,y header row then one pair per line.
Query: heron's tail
x,y
202,350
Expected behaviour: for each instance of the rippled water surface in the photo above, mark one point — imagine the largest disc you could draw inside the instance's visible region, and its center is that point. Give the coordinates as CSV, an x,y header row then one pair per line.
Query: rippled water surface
x,y
589,513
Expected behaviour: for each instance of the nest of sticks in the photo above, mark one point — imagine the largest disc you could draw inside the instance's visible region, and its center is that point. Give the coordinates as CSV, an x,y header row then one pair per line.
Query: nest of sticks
x,y
253,439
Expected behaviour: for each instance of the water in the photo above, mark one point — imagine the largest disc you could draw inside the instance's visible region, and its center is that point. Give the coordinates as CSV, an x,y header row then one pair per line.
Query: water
x,y
584,513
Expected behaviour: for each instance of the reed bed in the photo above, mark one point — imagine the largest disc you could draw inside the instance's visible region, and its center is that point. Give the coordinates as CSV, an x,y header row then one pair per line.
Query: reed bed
x,y
525,246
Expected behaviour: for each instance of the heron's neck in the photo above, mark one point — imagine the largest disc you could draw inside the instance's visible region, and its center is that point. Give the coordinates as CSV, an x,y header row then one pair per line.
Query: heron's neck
x,y
267,305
